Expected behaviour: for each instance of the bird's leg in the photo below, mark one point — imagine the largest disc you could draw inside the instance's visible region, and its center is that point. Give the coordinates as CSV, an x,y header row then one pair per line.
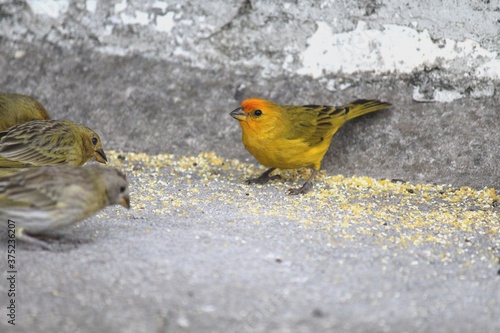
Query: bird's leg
x,y
304,188
264,178
32,240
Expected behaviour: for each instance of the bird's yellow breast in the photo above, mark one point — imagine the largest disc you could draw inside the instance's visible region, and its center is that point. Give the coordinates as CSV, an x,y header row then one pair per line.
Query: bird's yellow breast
x,y
279,152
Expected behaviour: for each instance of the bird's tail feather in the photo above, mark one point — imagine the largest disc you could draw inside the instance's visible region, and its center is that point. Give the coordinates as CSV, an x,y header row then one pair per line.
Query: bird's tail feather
x,y
362,106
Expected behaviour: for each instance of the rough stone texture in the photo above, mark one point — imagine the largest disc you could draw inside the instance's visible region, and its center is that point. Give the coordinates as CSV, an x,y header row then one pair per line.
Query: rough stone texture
x,y
155,77
157,106
173,83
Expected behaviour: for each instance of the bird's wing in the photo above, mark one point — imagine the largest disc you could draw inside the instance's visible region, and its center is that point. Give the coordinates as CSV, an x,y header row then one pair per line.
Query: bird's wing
x,y
45,198
315,122
31,148
32,189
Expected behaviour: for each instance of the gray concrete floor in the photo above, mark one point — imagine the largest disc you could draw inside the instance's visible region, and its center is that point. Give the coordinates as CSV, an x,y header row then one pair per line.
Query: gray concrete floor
x,y
201,251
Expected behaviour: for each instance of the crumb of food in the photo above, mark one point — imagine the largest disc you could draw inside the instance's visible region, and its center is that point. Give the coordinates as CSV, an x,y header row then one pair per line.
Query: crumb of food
x,y
391,212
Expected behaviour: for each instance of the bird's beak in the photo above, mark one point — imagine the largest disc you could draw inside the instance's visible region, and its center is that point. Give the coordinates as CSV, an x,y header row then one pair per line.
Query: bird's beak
x,y
238,114
125,201
100,156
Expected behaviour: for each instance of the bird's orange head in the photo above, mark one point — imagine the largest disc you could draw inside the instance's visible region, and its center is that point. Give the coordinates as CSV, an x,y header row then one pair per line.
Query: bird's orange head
x,y
257,115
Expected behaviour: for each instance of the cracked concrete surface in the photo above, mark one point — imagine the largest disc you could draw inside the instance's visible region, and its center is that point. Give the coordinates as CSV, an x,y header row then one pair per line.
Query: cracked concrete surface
x,y
162,76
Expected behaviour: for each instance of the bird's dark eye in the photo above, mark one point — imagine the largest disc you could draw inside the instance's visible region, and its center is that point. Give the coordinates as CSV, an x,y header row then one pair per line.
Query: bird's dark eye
x,y
257,113
94,141
122,189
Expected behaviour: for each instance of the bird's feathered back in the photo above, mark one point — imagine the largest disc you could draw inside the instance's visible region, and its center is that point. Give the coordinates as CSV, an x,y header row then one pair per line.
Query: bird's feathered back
x,y
17,109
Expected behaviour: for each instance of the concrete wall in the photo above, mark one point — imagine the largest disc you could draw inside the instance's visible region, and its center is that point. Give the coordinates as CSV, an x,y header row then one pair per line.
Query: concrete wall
x,y
162,76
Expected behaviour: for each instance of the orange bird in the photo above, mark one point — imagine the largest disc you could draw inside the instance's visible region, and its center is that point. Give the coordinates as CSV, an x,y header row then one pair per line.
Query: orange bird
x,y
290,137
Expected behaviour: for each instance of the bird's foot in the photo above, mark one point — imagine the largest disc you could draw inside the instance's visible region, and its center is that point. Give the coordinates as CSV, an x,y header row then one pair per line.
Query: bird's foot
x,y
262,179
49,242
34,241
301,190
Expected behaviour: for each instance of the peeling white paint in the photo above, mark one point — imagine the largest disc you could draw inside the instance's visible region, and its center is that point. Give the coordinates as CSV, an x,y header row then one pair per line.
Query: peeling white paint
x,y
120,7
438,95
139,17
490,69
165,23
162,21
52,8
91,6
485,90
161,5
114,50
396,48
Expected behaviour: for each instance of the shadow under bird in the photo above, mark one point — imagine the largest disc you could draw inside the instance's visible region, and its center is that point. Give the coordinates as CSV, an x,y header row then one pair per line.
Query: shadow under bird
x,y
44,199
49,142
17,109
291,137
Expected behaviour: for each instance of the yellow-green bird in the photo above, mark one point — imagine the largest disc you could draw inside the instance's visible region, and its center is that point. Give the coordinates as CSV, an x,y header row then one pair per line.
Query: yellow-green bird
x,y
41,200
17,109
294,136
49,142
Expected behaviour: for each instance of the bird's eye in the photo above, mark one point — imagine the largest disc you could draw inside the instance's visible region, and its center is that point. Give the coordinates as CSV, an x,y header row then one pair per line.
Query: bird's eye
x,y
257,113
94,141
122,189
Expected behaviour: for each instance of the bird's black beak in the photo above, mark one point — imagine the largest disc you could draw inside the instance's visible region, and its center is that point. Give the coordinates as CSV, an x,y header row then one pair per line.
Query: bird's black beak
x,y
100,156
238,114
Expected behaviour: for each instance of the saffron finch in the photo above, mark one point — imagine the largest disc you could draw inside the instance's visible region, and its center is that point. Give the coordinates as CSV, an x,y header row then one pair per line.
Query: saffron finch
x,y
290,137
17,109
49,142
42,199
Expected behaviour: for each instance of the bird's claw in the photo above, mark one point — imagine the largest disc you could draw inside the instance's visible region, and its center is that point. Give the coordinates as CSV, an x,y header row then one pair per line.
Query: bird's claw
x,y
262,179
35,242
301,190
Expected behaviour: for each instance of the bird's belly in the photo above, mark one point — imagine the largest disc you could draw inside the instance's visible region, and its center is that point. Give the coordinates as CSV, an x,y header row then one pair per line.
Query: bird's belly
x,y
285,154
